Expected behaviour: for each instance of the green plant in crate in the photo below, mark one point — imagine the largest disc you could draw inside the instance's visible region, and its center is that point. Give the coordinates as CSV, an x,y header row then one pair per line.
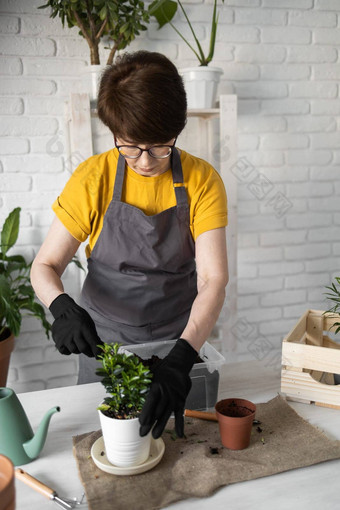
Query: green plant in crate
x,y
17,296
334,296
165,10
126,380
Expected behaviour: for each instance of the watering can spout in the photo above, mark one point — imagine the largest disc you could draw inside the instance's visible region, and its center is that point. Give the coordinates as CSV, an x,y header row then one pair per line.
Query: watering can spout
x,y
34,446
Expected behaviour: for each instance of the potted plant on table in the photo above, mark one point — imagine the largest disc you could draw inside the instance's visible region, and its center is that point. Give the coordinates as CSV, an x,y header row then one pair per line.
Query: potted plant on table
x,y
16,293
127,381
118,21
200,81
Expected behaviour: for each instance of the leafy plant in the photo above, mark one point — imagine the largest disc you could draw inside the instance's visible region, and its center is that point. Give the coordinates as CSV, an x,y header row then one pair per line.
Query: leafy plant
x,y
165,10
334,296
126,379
120,20
16,292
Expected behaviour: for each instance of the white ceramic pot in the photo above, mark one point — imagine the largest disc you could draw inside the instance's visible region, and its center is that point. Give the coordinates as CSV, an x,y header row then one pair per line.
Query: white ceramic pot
x,y
201,85
123,445
91,79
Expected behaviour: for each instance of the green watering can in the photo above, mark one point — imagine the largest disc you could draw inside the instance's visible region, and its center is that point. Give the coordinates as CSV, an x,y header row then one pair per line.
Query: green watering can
x,y
17,440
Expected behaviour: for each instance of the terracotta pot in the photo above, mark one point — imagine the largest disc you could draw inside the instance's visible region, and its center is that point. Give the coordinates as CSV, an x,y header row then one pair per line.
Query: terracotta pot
x,y
6,348
7,486
235,419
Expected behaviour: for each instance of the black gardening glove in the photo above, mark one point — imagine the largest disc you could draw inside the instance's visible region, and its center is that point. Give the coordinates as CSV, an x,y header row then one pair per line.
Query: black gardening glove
x,y
169,389
73,330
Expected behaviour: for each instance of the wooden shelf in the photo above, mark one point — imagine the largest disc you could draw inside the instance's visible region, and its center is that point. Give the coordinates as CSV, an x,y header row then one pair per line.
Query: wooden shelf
x,y
205,114
208,113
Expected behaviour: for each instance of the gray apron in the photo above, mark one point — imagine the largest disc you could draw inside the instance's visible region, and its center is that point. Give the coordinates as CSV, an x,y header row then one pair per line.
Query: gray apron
x,y
141,279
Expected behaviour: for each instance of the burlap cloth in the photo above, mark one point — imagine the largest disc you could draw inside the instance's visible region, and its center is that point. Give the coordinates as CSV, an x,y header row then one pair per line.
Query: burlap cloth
x,y
198,465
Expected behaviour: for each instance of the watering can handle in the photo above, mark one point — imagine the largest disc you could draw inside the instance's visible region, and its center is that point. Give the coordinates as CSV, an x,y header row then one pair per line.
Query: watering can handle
x,y
34,483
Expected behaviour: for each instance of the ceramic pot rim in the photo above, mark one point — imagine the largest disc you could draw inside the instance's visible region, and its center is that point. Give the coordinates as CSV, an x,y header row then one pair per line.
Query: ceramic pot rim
x,y
201,69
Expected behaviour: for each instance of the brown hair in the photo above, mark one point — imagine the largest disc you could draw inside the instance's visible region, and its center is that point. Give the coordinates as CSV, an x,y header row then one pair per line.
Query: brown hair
x,y
142,98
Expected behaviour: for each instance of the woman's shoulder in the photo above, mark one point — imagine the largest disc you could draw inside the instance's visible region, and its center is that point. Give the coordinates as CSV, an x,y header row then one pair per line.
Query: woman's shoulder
x,y
98,163
196,169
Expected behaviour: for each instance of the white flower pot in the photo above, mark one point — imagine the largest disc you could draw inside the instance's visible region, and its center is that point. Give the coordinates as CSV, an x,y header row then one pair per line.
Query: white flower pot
x,y
123,445
91,79
201,85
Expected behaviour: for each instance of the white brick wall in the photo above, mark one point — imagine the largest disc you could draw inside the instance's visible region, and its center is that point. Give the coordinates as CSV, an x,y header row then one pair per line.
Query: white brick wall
x,y
281,58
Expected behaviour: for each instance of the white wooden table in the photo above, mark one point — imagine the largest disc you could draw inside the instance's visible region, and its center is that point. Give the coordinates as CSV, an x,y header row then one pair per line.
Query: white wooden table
x,y
308,488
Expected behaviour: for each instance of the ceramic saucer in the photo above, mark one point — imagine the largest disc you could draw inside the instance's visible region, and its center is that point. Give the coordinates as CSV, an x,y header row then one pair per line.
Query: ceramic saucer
x,y
99,458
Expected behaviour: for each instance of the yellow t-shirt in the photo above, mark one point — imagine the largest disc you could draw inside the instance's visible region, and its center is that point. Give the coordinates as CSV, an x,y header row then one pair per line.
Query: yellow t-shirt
x,y
83,202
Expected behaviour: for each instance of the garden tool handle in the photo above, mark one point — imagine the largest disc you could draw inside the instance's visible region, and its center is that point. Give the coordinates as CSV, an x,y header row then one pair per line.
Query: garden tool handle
x,y
34,483
202,415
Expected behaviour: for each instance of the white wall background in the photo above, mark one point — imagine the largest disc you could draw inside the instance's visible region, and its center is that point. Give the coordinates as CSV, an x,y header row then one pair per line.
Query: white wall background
x,y
281,58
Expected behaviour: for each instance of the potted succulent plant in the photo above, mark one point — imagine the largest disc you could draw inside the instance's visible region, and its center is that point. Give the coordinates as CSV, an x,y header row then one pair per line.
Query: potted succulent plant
x,y
118,21
16,293
200,81
127,381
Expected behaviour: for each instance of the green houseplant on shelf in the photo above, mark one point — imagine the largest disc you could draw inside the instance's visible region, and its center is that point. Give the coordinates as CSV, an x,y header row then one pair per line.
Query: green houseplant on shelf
x,y
16,293
116,21
200,81
127,381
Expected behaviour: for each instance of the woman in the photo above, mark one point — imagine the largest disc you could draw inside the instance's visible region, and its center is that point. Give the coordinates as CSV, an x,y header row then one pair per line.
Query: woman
x,y
155,217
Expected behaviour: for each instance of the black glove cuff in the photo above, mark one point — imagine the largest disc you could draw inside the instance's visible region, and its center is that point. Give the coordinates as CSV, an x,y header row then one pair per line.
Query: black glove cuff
x,y
183,354
60,304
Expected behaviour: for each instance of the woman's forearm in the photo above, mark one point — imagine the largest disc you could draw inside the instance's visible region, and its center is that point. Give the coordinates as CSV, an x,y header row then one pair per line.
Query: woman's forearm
x,y
204,312
48,266
46,282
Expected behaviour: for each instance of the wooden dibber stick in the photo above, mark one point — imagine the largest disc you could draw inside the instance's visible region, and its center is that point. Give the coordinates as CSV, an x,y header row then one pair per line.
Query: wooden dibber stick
x,y
202,415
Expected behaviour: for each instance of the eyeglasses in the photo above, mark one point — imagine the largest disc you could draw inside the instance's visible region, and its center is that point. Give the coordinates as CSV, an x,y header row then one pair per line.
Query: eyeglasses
x,y
156,151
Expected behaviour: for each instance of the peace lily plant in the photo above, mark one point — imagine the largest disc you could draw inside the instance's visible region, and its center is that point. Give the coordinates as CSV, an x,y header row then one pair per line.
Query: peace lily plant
x,y
17,296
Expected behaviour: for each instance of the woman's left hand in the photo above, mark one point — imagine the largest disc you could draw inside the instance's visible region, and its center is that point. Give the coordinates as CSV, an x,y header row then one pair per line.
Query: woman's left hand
x,y
170,386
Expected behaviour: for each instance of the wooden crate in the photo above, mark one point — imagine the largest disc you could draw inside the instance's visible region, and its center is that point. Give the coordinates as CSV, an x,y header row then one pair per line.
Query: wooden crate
x,y
309,360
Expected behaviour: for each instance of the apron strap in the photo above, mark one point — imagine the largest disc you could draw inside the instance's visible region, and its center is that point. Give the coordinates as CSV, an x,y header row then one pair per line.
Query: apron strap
x,y
177,177
119,180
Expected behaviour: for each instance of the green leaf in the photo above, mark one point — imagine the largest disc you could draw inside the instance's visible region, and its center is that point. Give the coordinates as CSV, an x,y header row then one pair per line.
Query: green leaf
x,y
163,11
77,262
9,311
10,230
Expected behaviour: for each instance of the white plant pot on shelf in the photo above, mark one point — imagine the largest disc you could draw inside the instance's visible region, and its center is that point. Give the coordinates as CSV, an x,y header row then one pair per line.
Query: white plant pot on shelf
x,y
201,85
123,445
91,76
